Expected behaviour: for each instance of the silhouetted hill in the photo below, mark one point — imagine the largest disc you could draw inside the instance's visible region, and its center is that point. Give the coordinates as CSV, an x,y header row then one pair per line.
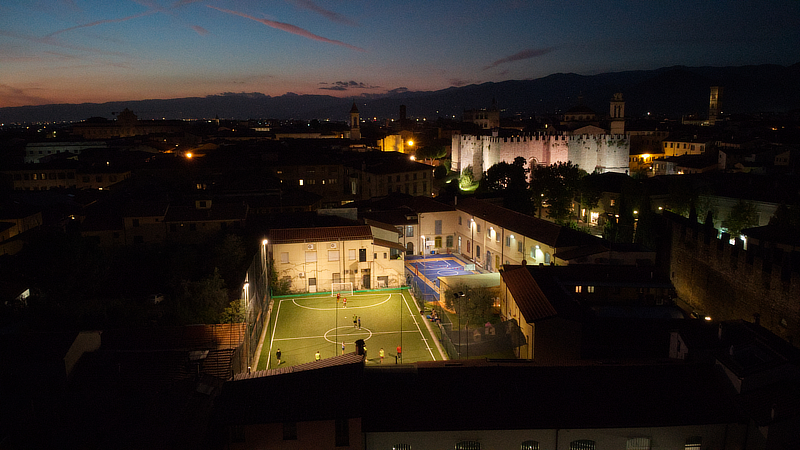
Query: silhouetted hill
x,y
669,91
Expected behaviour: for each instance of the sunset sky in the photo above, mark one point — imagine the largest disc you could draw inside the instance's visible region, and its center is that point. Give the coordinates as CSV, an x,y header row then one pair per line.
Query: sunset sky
x,y
73,51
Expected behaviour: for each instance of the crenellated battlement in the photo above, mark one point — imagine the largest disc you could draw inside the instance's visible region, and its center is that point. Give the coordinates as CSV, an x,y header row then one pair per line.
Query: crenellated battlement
x,y
729,283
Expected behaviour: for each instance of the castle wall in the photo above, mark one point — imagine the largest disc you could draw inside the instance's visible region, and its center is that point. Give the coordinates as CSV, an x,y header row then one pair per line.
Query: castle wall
x,y
730,283
605,153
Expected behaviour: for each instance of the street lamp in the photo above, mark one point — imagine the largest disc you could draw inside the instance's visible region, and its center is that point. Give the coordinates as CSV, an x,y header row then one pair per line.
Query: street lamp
x,y
458,296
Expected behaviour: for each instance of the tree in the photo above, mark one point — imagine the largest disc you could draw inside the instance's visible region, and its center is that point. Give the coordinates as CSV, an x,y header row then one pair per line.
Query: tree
x,y
473,307
431,152
203,301
557,185
510,181
743,215
467,180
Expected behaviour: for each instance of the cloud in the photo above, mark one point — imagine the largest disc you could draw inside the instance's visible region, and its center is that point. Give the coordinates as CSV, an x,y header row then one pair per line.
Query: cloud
x,y
457,82
346,85
399,90
152,8
525,54
100,22
11,96
47,40
328,14
289,28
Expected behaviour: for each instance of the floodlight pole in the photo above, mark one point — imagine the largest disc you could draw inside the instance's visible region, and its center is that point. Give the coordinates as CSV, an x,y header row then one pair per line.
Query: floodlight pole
x,y
459,296
401,327
336,326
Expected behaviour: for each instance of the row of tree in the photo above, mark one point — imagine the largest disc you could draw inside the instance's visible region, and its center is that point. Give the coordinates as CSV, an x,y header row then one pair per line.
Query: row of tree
x,y
562,191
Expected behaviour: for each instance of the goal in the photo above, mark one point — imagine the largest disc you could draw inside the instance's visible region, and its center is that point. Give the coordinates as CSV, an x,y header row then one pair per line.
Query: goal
x,y
342,288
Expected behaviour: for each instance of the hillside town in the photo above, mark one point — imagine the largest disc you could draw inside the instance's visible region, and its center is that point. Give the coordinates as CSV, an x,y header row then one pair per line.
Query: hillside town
x,y
624,282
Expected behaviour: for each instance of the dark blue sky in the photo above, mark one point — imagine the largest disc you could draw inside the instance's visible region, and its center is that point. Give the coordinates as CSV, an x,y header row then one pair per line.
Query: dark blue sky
x,y
59,51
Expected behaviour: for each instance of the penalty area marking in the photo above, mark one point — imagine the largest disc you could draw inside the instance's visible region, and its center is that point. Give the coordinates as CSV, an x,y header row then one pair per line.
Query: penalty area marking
x,y
294,300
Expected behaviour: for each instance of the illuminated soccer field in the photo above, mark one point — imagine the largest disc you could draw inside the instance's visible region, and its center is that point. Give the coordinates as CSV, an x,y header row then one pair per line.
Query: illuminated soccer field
x,y
305,324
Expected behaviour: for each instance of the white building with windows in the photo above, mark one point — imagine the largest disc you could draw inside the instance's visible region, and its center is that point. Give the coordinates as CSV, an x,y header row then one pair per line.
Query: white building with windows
x,y
313,259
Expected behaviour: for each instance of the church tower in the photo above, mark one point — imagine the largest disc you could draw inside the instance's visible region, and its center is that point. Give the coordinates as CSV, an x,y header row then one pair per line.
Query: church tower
x,y
617,112
355,126
714,101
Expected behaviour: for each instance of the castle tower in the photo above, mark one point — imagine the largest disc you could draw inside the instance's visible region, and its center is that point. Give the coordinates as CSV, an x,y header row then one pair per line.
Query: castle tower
x,y
355,126
617,113
714,101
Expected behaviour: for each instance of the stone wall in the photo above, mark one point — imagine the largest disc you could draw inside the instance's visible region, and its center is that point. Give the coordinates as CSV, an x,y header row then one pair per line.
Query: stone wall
x,y
606,153
727,282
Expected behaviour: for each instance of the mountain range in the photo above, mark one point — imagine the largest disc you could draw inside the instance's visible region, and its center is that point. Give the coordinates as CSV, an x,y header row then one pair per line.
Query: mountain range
x,y
665,92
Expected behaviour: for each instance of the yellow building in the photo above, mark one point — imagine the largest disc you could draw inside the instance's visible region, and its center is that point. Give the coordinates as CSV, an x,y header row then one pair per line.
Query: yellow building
x,y
313,259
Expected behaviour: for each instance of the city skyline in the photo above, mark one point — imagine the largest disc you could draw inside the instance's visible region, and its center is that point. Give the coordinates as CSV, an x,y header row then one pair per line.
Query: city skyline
x,y
70,51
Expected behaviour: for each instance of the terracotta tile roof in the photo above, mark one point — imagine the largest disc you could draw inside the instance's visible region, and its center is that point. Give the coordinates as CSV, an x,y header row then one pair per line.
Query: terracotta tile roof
x,y
538,229
390,244
142,209
218,212
320,234
532,303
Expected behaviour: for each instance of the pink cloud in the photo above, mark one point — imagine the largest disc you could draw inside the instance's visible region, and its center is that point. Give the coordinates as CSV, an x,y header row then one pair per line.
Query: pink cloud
x,y
525,54
328,14
289,28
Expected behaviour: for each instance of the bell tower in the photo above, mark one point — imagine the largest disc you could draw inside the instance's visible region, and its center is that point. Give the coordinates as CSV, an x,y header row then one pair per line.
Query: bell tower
x,y
617,113
355,126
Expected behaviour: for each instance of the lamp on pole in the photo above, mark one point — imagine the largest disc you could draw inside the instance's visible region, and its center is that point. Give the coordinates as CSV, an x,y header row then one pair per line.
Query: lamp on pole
x,y
458,296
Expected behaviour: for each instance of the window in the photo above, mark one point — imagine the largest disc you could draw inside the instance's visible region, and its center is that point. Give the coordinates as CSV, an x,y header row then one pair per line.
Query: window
x,y
459,220
590,289
311,256
342,433
437,242
135,222
138,239
351,254
284,257
479,227
383,281
508,241
529,445
374,256
409,231
520,247
478,251
333,255
312,282
639,443
694,442
362,255
437,227
290,431
98,178
449,242
399,231
582,444
468,445
336,277
611,202
578,289
401,447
